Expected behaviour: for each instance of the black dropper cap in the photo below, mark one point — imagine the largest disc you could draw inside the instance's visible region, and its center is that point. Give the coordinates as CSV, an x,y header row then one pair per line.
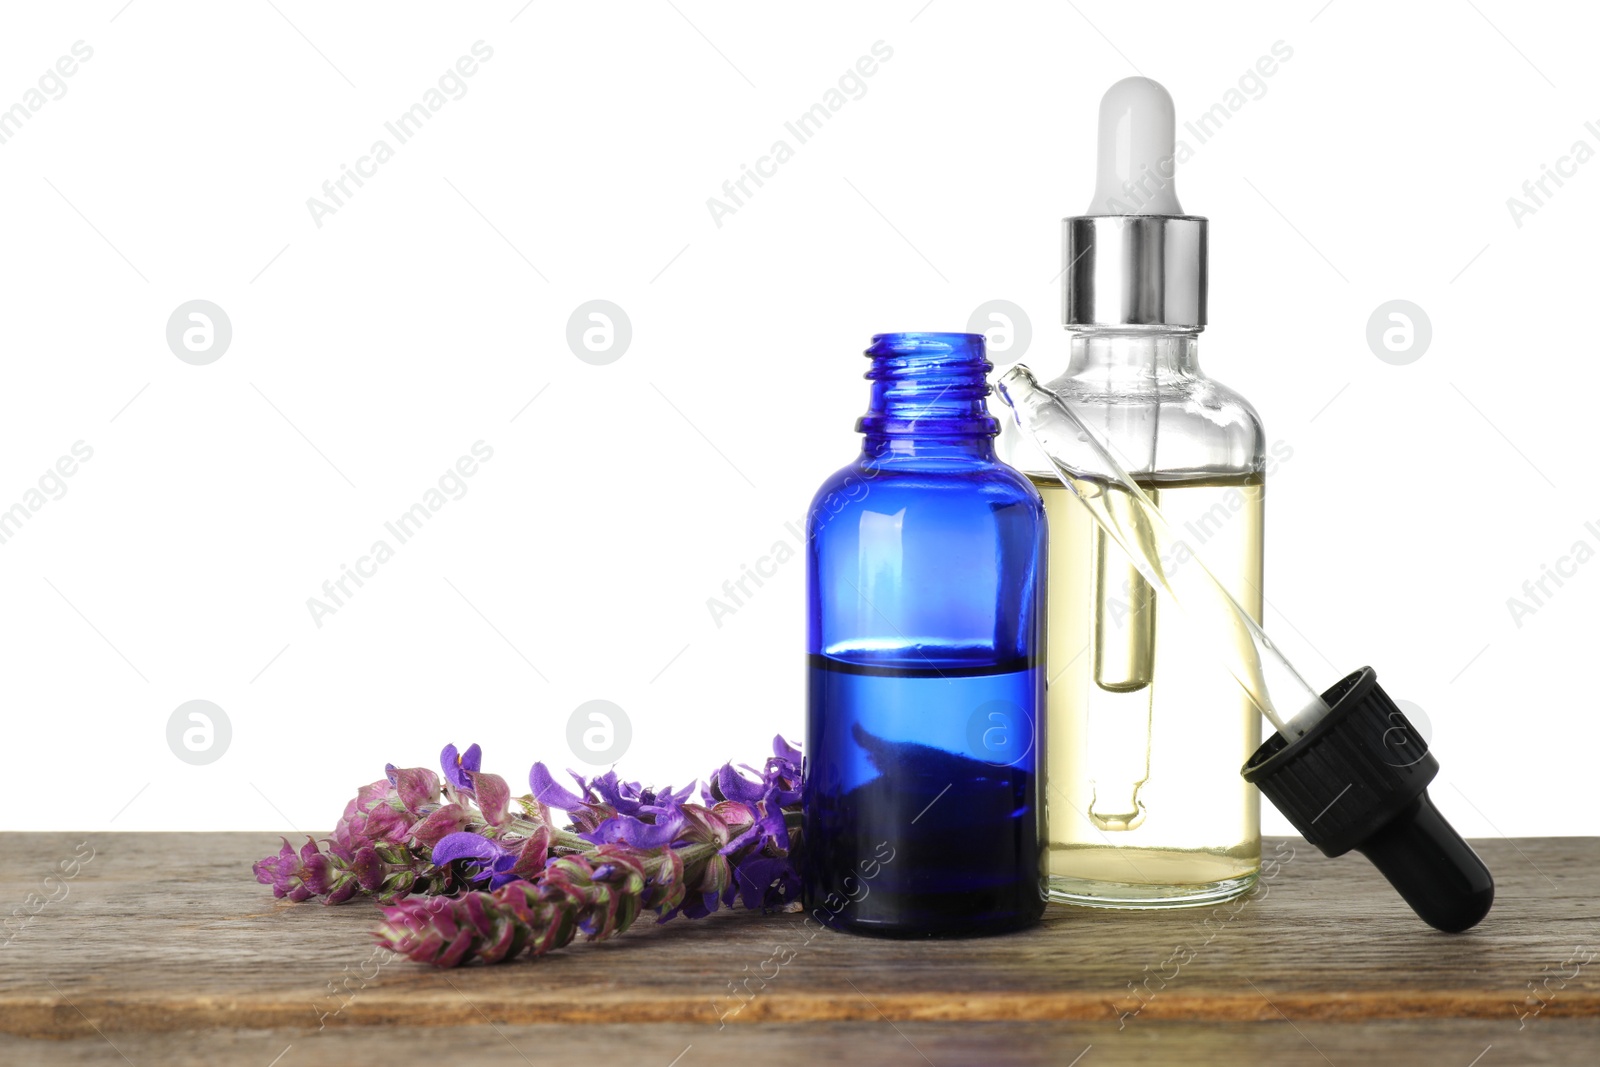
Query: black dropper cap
x,y
1358,779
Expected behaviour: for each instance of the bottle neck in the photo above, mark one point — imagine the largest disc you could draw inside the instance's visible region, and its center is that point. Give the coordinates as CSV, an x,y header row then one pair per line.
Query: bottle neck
x,y
927,398
1134,353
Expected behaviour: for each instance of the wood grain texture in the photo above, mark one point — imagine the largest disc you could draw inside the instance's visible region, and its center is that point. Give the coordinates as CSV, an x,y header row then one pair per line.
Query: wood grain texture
x,y
164,949
1381,1043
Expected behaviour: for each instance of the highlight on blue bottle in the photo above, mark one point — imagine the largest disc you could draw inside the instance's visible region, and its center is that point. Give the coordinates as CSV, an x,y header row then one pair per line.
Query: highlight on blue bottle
x,y
924,809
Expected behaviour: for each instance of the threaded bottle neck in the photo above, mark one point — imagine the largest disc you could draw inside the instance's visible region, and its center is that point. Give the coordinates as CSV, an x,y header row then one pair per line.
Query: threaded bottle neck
x,y
928,387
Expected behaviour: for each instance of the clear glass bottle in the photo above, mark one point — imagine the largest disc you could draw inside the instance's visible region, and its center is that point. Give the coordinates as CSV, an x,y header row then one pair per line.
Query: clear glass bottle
x,y
923,794
1147,734
1146,805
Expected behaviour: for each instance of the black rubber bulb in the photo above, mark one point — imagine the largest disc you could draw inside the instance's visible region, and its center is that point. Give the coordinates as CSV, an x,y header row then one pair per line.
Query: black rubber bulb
x,y
1433,868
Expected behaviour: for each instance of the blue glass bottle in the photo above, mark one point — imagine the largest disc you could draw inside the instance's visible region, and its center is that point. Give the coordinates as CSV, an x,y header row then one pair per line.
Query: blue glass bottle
x,y
923,799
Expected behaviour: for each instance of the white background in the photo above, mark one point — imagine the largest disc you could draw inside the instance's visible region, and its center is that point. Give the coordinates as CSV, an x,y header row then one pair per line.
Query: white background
x,y
425,314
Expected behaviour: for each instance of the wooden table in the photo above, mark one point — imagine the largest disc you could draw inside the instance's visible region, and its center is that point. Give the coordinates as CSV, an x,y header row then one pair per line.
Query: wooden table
x,y
163,950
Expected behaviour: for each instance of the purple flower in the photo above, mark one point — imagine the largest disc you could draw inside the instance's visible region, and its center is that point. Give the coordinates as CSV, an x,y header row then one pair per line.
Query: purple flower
x,y
414,786
310,873
459,766
630,798
494,797
546,790
500,862
446,820
779,784
767,882
769,832
734,786
374,816
386,871
286,873
368,869
488,856
642,850
609,811
626,798
628,830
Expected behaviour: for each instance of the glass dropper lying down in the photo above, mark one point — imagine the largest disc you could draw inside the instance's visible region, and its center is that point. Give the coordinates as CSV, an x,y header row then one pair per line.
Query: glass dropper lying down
x,y
1345,767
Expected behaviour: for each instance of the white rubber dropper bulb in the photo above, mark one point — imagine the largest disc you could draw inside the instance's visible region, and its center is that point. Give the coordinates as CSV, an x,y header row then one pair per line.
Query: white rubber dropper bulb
x,y
1137,151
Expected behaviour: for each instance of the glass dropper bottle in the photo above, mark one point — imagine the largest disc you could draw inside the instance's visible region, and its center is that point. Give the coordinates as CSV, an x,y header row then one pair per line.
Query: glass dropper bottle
x,y
1145,811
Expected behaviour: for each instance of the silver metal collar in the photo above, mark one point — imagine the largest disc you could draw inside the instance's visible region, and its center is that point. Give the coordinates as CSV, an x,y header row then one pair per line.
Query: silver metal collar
x,y
1134,270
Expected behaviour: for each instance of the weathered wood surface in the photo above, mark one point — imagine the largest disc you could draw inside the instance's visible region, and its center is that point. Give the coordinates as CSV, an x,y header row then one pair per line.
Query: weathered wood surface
x,y
163,949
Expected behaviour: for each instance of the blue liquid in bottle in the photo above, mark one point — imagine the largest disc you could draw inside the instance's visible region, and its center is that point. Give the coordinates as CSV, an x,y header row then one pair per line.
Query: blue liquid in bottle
x,y
924,792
